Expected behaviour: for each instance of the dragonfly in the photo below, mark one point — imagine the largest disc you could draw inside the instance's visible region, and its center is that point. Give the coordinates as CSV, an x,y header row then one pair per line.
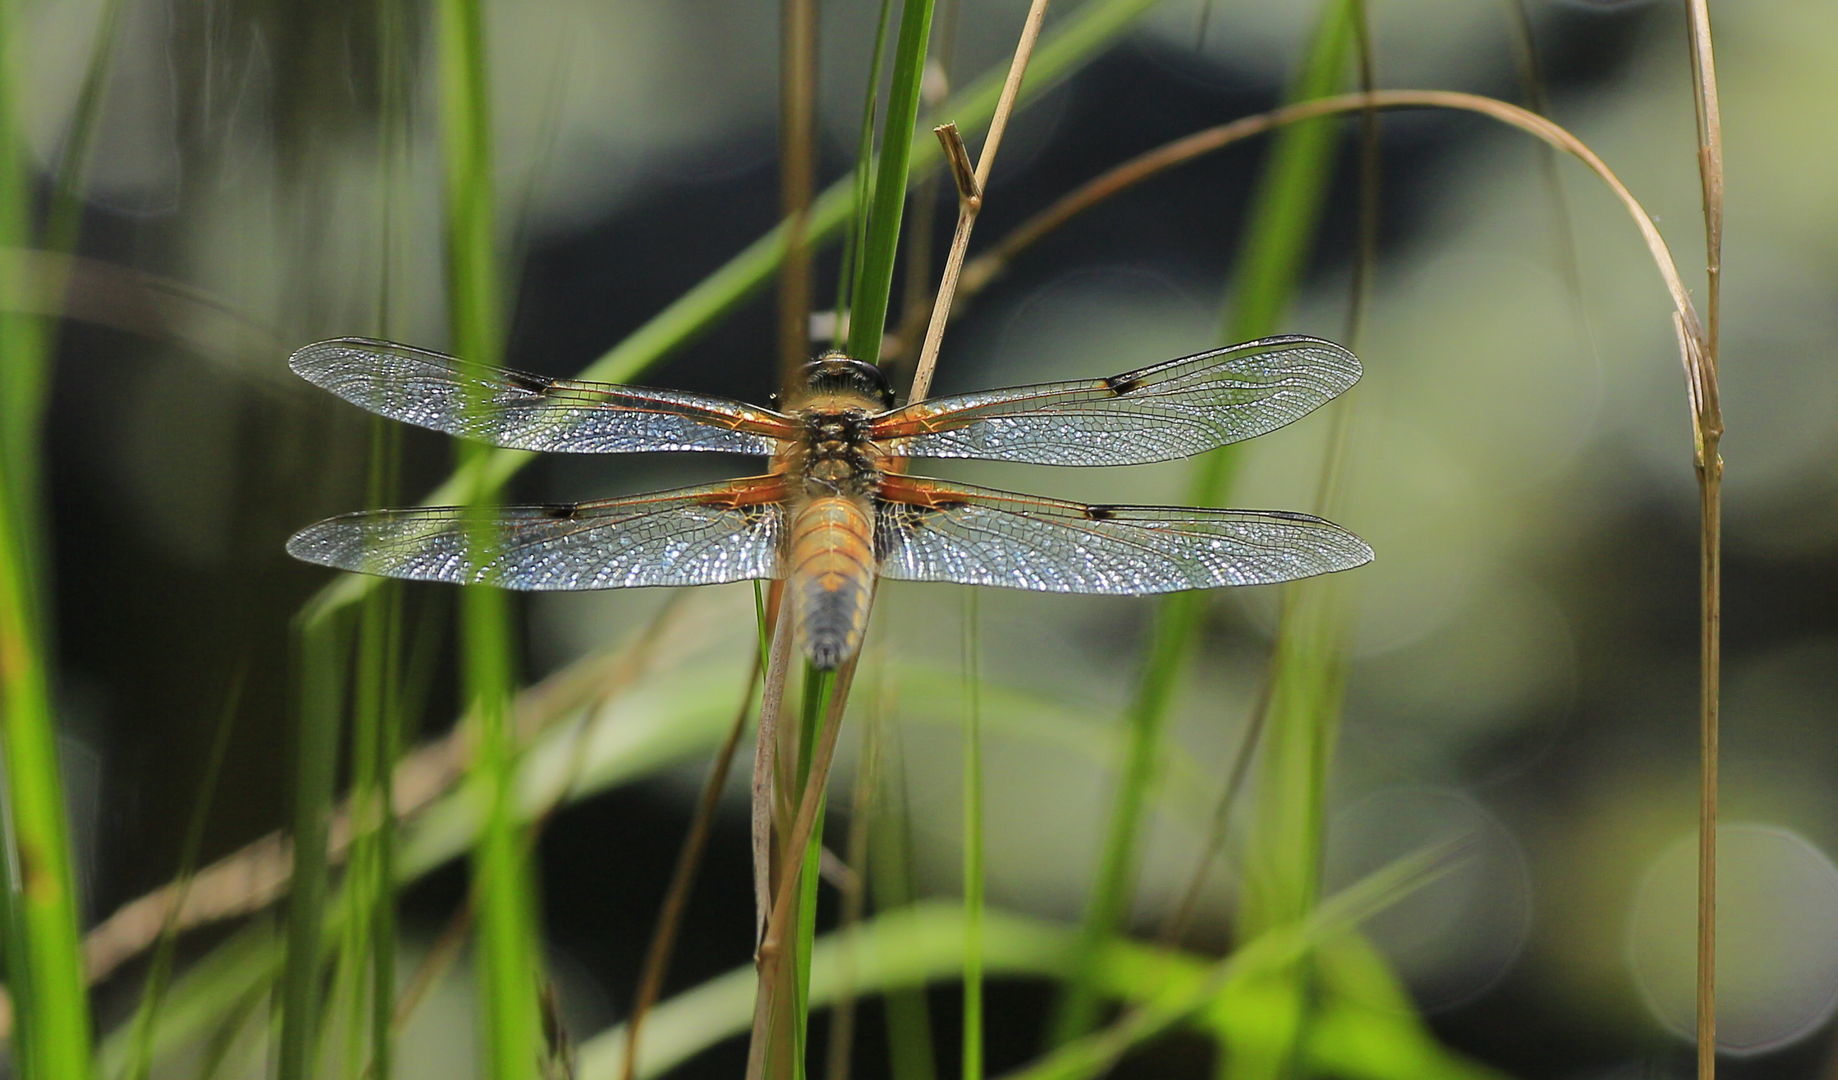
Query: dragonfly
x,y
836,507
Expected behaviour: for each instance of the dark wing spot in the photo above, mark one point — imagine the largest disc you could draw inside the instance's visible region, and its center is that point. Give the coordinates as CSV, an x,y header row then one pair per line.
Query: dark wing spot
x,y
1100,513
559,511
532,384
1122,384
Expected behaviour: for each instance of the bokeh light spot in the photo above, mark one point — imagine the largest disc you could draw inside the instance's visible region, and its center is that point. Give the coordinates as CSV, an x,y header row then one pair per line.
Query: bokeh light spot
x,y
1454,938
1777,953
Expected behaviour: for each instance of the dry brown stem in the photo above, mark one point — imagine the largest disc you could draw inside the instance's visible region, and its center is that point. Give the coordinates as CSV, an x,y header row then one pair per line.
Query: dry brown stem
x,y
797,178
970,188
772,947
765,763
766,802
1704,350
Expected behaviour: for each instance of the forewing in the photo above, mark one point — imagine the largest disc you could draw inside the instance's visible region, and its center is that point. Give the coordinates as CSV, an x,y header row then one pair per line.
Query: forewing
x,y
690,536
927,530
530,412
1172,410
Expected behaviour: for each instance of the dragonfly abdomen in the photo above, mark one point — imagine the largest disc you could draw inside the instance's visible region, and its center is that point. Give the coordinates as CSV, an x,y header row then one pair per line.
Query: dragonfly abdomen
x,y
832,576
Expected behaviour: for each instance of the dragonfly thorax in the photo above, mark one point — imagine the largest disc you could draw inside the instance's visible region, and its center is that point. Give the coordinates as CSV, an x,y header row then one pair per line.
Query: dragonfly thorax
x,y
838,458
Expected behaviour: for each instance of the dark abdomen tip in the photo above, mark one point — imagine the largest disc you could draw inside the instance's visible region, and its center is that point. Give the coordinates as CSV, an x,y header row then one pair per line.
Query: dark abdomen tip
x,y
825,652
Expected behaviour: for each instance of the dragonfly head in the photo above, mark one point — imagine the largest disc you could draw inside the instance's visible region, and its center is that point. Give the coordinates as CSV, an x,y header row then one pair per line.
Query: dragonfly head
x,y
835,374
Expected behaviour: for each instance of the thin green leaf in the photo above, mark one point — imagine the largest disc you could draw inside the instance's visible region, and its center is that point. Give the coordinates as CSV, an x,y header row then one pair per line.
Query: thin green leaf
x,y
322,648
44,961
159,973
881,239
1284,212
890,865
863,176
973,842
920,944
502,883
377,713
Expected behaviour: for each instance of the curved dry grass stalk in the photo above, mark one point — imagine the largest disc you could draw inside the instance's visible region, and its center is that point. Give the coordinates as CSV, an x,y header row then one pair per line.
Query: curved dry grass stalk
x,y
1697,342
980,272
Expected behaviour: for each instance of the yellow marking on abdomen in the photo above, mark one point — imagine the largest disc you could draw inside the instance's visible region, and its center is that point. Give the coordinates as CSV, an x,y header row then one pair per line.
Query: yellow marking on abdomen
x,y
832,577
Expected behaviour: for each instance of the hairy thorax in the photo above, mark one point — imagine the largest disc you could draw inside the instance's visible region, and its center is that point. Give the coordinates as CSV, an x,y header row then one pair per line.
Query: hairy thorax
x,y
835,457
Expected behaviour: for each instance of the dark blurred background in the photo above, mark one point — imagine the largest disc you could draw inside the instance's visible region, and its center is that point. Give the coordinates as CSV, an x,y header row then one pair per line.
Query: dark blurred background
x,y
1524,647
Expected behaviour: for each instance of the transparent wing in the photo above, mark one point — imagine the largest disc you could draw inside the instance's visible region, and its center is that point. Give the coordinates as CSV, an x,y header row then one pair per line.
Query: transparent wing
x,y
927,530
1171,410
690,536
531,412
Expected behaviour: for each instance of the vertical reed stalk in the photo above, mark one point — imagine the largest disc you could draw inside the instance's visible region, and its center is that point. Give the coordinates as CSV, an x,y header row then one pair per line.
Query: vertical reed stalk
x,y
1708,421
322,647
502,892
890,866
797,177
159,970
970,189
377,713
44,964
973,842
880,242
862,178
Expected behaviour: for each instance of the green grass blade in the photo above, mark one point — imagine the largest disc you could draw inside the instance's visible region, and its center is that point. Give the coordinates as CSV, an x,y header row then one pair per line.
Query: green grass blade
x,y
321,663
205,997
1284,211
65,214
1275,950
917,945
507,980
818,688
159,972
973,842
881,239
377,715
44,963
1288,828
863,176
377,740
890,870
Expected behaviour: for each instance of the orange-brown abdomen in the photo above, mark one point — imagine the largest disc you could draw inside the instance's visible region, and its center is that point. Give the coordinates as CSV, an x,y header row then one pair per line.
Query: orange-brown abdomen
x,y
832,576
